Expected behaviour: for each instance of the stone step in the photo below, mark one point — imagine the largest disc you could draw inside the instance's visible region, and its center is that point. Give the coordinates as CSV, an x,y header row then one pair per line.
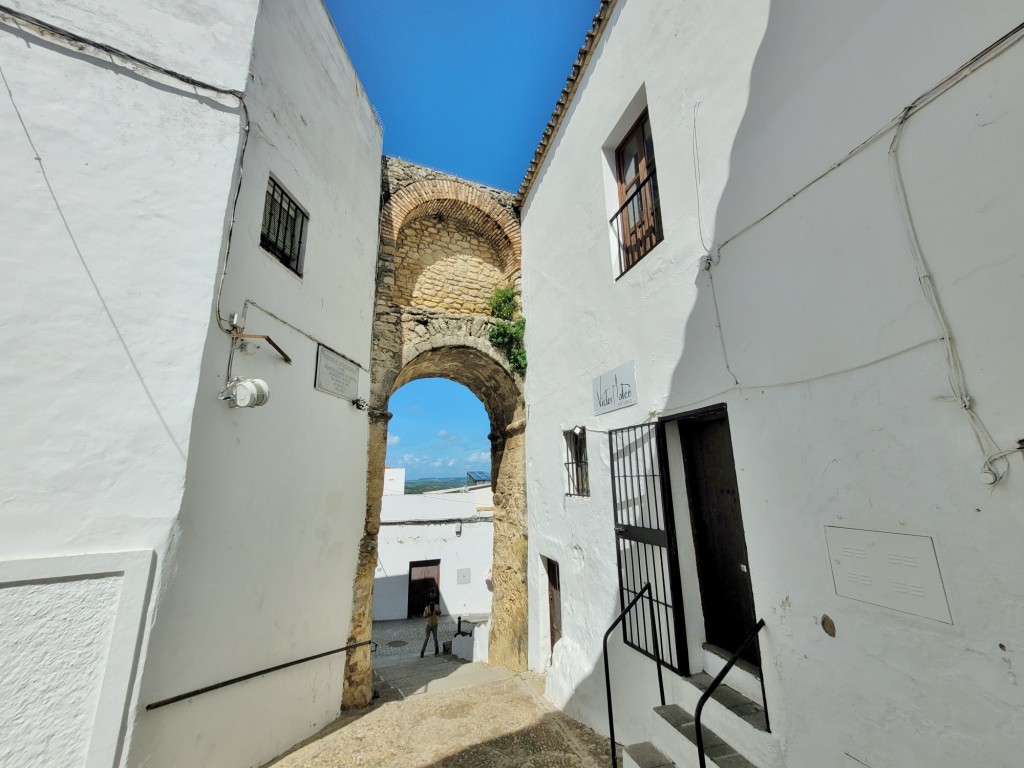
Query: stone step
x,y
644,755
673,719
734,701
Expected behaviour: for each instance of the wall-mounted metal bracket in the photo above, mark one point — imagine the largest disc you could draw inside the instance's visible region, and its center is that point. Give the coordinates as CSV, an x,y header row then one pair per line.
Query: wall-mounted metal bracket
x,y
265,338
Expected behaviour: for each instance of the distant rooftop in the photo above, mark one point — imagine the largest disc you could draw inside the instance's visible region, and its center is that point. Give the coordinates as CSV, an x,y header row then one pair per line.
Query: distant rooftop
x,y
477,478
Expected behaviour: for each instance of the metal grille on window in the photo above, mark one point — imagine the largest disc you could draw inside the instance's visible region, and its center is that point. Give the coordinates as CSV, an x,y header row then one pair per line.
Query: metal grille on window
x,y
637,223
284,227
576,462
645,538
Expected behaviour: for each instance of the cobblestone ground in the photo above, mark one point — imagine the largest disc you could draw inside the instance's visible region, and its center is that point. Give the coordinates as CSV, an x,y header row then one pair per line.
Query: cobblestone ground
x,y
401,640
441,712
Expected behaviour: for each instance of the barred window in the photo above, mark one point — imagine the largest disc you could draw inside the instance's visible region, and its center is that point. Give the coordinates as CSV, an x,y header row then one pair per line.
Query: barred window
x,y
284,228
637,223
576,462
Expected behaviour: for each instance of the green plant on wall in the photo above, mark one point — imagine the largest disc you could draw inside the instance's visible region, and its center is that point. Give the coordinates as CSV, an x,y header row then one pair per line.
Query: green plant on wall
x,y
508,330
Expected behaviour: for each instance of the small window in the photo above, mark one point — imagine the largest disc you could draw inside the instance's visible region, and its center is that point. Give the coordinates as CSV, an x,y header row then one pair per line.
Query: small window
x,y
637,223
576,462
284,228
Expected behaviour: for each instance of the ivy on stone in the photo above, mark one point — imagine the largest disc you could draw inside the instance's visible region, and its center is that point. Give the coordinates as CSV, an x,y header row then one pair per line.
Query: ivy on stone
x,y
509,329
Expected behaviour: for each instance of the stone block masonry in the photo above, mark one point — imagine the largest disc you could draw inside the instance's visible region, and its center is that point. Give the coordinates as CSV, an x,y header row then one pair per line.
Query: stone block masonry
x,y
445,245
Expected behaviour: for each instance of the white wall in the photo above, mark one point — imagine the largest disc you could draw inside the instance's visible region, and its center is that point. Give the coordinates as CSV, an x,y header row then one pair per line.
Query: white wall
x,y
399,545
265,550
204,39
394,481
116,183
841,415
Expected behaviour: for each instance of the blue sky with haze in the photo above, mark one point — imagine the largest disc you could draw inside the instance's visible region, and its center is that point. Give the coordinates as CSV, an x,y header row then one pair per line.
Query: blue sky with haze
x,y
464,86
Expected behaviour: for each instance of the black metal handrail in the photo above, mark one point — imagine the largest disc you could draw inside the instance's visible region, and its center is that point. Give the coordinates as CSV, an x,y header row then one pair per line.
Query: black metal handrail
x,y
251,675
715,683
657,659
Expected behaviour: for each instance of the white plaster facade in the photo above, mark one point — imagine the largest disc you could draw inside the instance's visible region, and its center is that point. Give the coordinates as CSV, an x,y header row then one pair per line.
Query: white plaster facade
x,y
121,184
840,411
454,526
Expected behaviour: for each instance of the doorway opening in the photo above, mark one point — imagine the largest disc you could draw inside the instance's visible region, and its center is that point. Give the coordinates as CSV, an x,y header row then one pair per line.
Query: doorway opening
x,y
424,578
679,526
437,504
720,545
554,601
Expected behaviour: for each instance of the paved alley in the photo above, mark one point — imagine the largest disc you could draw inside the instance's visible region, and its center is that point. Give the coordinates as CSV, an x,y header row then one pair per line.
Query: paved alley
x,y
441,712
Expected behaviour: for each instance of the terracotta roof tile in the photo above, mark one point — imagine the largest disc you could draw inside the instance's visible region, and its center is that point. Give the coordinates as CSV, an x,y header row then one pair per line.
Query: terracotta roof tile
x,y
593,35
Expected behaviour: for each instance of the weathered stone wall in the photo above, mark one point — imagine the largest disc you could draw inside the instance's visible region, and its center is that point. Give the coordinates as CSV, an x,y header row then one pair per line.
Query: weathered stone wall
x,y
445,245
442,264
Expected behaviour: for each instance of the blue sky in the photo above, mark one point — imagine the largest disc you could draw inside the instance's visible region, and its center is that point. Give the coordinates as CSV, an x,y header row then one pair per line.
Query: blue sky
x,y
464,86
437,441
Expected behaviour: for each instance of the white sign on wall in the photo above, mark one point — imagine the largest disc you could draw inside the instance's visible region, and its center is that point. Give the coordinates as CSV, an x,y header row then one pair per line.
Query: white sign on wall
x,y
615,389
335,374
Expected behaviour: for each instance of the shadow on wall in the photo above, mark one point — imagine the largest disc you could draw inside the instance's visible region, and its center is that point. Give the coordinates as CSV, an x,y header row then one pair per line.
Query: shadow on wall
x,y
391,599
810,275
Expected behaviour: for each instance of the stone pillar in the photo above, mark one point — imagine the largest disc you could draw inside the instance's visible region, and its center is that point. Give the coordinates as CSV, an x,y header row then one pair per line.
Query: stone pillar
x,y
358,688
508,644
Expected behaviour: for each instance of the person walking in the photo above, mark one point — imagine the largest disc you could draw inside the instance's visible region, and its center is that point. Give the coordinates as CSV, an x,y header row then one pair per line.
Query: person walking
x,y
431,614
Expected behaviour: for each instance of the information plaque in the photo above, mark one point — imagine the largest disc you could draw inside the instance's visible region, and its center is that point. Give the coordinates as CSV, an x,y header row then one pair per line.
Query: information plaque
x,y
335,374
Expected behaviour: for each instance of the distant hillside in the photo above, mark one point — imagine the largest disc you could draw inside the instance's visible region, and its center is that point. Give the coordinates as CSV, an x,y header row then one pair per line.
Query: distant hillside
x,y
424,484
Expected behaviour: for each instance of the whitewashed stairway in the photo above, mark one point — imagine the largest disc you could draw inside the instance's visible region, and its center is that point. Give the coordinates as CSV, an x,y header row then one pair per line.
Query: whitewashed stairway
x,y
734,729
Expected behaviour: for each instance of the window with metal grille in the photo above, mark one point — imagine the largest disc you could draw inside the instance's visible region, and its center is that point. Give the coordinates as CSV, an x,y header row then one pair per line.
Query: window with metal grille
x,y
637,223
284,227
576,462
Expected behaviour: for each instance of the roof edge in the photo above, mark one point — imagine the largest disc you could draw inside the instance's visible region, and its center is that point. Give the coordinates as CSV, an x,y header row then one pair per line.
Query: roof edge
x,y
579,67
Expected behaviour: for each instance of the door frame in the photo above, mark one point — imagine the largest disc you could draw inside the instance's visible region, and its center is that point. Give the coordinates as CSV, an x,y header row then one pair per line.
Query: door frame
x,y
436,562
705,413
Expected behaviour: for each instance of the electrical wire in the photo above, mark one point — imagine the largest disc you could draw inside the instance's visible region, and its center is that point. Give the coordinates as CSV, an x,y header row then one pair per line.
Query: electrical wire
x,y
701,226
88,273
957,381
955,372
78,41
977,61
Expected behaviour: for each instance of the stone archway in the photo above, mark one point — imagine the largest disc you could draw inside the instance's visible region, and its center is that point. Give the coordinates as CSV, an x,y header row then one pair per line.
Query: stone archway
x,y
445,245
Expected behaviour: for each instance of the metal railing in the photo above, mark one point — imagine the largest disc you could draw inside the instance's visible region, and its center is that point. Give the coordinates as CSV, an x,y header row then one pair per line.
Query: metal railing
x,y
718,681
251,675
637,223
657,659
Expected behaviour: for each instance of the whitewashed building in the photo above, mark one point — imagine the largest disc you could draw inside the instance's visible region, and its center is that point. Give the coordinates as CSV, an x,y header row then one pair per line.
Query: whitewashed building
x,y
440,538
772,271
175,175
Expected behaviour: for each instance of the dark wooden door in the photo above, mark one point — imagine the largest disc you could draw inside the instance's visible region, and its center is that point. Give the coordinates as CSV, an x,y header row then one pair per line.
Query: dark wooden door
x,y
554,602
424,575
719,541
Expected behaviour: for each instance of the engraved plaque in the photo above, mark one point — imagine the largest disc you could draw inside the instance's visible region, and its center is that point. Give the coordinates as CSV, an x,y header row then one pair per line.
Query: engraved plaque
x,y
893,570
336,374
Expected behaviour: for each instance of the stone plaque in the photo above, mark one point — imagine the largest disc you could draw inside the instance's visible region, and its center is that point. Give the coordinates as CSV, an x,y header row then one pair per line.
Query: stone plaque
x,y
615,389
894,570
335,374
462,576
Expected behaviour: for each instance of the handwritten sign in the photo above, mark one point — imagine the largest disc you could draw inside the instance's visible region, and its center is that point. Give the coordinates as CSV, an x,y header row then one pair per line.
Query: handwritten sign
x,y
615,389
336,375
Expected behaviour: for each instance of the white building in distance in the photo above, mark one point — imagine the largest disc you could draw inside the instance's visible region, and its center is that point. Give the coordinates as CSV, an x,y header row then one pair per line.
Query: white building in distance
x,y
440,538
772,271
190,198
